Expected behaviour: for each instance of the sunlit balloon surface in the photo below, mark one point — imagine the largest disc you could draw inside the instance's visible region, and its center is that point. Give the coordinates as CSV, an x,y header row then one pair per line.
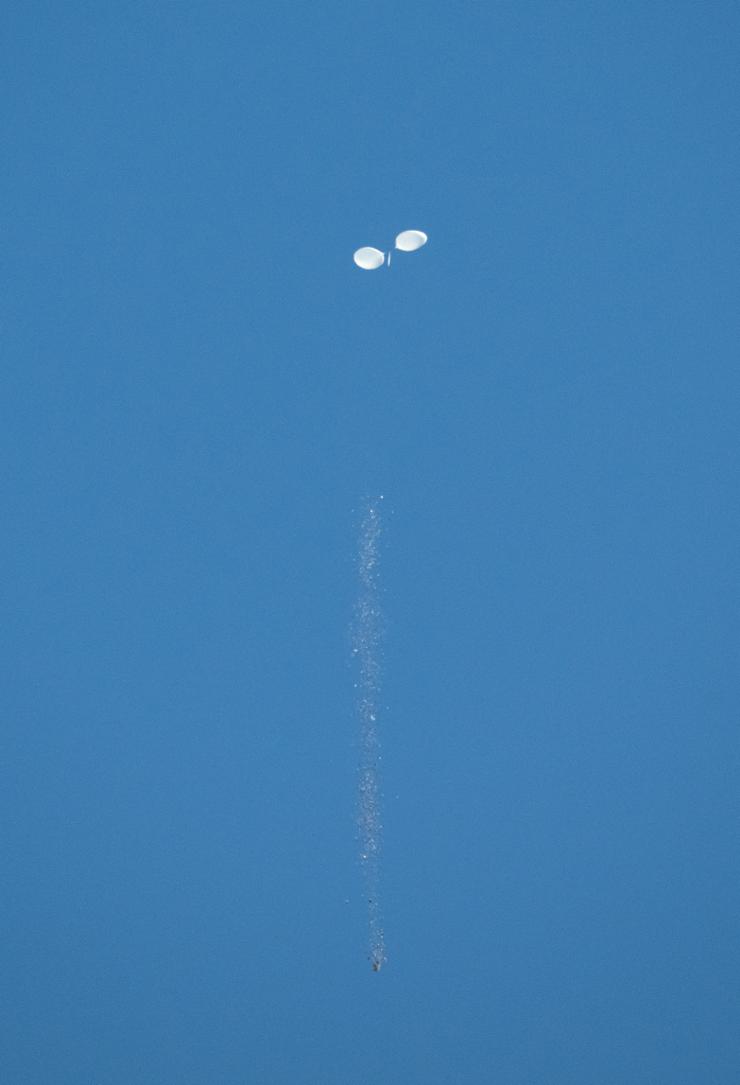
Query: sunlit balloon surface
x,y
369,258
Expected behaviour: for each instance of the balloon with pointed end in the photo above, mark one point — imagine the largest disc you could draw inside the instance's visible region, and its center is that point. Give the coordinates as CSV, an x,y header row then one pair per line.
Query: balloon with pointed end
x,y
411,240
369,258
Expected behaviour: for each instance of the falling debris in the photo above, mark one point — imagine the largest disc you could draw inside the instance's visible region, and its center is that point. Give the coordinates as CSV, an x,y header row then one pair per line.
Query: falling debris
x,y
366,649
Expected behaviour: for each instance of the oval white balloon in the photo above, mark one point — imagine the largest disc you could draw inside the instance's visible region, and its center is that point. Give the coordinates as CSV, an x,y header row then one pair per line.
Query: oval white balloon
x,y
369,258
411,240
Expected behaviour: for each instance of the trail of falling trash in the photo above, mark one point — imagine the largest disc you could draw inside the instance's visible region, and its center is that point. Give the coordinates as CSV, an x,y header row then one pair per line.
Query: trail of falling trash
x,y
366,649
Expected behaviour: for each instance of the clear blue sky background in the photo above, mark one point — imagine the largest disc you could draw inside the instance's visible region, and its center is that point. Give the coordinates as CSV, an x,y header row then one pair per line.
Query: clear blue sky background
x,y
198,388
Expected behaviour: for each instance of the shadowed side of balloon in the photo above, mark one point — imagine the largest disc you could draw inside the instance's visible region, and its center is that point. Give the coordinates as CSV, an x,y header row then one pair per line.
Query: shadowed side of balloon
x,y
369,258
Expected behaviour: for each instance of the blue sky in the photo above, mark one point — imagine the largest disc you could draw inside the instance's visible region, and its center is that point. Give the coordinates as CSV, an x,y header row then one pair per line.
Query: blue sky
x,y
198,391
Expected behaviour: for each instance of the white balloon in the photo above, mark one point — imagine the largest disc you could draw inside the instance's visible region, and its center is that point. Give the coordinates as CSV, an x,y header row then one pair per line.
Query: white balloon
x,y
411,240
369,258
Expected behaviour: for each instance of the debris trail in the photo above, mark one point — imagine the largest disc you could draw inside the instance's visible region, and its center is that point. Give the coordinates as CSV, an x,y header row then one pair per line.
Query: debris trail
x,y
366,649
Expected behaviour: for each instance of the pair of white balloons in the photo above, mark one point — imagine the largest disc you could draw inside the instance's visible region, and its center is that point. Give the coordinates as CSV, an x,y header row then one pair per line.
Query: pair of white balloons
x,y
407,241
